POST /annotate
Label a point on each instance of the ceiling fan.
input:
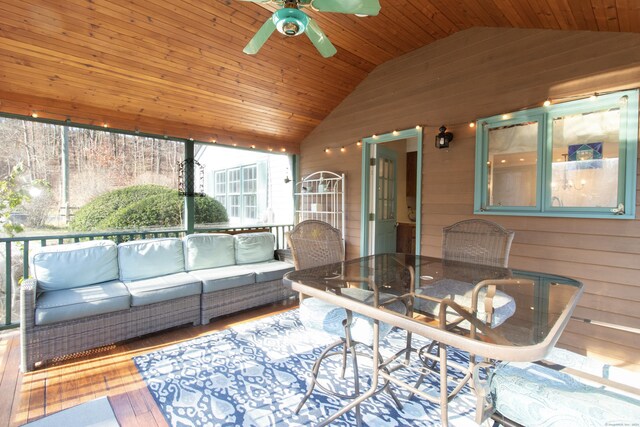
(291, 21)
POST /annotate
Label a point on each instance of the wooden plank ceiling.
(176, 67)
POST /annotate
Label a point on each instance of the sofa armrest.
(27, 319)
(28, 300)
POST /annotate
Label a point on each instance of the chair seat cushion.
(69, 304)
(217, 279)
(533, 395)
(163, 288)
(327, 317)
(272, 270)
(461, 292)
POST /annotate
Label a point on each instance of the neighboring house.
(254, 187)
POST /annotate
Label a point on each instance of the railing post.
(7, 283)
(189, 183)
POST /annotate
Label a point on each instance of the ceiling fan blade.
(319, 39)
(260, 38)
(359, 7)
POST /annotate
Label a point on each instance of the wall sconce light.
(443, 138)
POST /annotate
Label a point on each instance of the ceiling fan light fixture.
(290, 22)
(290, 28)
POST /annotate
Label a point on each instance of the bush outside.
(143, 206)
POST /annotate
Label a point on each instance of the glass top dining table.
(495, 313)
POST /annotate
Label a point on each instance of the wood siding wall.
(478, 73)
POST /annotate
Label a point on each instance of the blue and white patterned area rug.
(255, 374)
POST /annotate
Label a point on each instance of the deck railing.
(16, 252)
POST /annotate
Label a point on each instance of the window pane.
(234, 181)
(234, 206)
(249, 179)
(250, 206)
(221, 183)
(584, 169)
(511, 165)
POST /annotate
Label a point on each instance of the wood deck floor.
(109, 372)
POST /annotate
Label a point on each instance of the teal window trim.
(627, 101)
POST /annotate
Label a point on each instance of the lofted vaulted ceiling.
(176, 67)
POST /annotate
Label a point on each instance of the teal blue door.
(385, 197)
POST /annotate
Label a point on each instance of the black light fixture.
(443, 138)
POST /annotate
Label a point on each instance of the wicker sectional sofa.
(91, 294)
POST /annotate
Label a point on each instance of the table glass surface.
(531, 309)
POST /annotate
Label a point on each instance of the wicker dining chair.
(477, 241)
(315, 243)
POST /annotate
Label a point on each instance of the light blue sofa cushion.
(254, 247)
(75, 303)
(208, 250)
(533, 395)
(217, 279)
(327, 317)
(142, 259)
(461, 292)
(163, 288)
(270, 270)
(74, 265)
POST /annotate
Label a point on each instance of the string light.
(558, 99)
(326, 149)
(342, 149)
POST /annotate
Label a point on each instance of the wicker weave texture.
(314, 243)
(477, 241)
(40, 343)
(227, 301)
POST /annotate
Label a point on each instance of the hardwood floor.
(108, 372)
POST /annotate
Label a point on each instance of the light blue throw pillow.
(209, 250)
(74, 265)
(254, 247)
(142, 259)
